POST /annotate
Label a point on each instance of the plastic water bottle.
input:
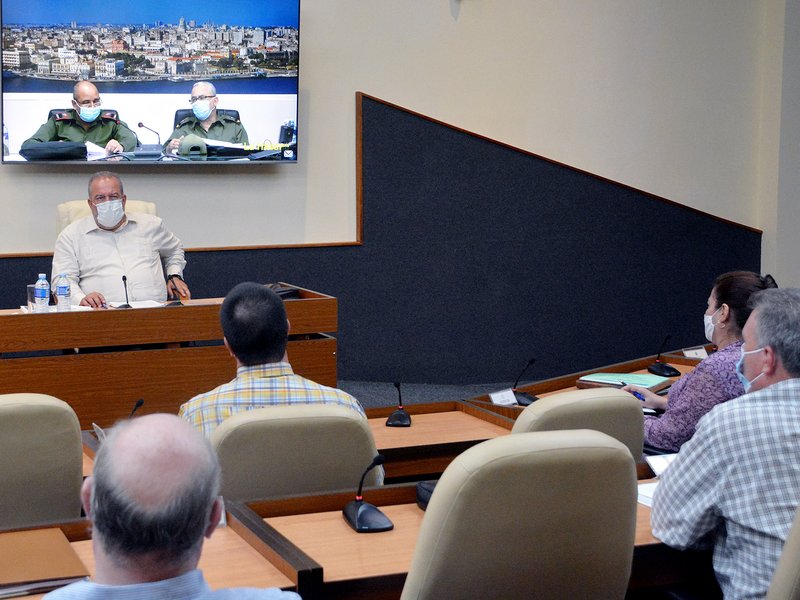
(41, 294)
(5, 140)
(63, 289)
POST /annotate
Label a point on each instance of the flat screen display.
(145, 58)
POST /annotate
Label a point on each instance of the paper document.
(646, 492)
(660, 462)
(221, 144)
(139, 304)
(504, 397)
(94, 152)
(640, 379)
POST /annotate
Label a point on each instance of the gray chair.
(42, 466)
(610, 410)
(282, 450)
(536, 515)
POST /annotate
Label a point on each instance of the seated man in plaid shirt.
(256, 332)
(735, 485)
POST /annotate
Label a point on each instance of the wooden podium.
(103, 385)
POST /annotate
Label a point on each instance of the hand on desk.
(174, 145)
(94, 299)
(113, 147)
(177, 286)
(650, 399)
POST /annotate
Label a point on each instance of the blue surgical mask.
(746, 383)
(89, 113)
(202, 109)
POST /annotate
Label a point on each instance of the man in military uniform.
(85, 122)
(205, 122)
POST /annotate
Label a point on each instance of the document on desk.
(659, 463)
(646, 492)
(139, 304)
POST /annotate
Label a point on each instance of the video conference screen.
(149, 63)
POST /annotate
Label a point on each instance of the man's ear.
(86, 496)
(771, 361)
(228, 346)
(216, 513)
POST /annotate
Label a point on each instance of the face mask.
(708, 321)
(746, 383)
(202, 109)
(110, 213)
(89, 114)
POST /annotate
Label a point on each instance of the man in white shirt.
(96, 252)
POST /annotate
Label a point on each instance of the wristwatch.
(175, 276)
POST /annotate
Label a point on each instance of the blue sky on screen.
(89, 12)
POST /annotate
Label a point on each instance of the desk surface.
(227, 561)
(434, 428)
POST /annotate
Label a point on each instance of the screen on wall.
(114, 81)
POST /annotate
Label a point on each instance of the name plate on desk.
(504, 397)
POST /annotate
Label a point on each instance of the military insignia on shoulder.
(110, 114)
(62, 115)
(185, 121)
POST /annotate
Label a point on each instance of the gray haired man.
(735, 485)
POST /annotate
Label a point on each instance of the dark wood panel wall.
(477, 256)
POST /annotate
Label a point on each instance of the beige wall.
(677, 97)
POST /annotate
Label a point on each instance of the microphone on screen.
(362, 516)
(143, 126)
(663, 369)
(524, 398)
(399, 418)
(137, 406)
(125, 284)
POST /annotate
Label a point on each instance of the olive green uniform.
(64, 126)
(224, 129)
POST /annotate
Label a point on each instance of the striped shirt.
(736, 485)
(258, 386)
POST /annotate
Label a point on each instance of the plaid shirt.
(736, 485)
(258, 386)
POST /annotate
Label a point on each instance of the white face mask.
(708, 321)
(110, 213)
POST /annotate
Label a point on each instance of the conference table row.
(303, 543)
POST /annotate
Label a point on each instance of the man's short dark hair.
(254, 323)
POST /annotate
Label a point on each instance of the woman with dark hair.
(714, 380)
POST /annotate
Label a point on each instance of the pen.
(636, 394)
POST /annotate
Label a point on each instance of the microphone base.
(366, 518)
(126, 305)
(148, 150)
(524, 398)
(663, 370)
(399, 418)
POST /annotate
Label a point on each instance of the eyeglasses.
(99, 199)
(88, 103)
(194, 99)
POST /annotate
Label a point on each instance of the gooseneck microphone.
(524, 398)
(137, 406)
(125, 284)
(362, 516)
(399, 418)
(663, 369)
(158, 135)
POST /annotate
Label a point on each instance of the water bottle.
(5, 140)
(41, 294)
(63, 289)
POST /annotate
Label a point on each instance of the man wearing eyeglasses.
(85, 122)
(205, 122)
(97, 251)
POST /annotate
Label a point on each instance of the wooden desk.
(375, 566)
(234, 556)
(103, 386)
(439, 432)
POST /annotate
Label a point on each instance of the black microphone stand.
(362, 516)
